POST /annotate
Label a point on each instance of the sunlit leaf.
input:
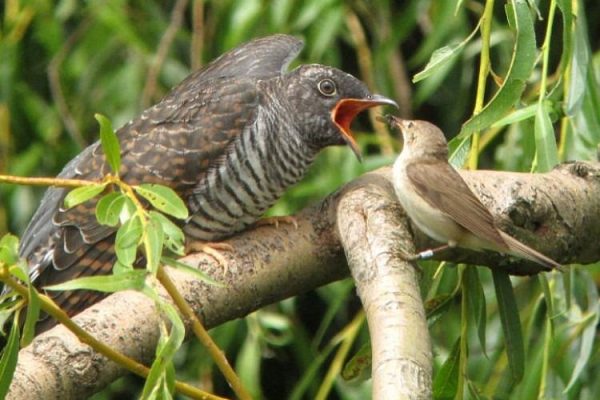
(109, 207)
(521, 66)
(130, 280)
(153, 244)
(163, 199)
(9, 249)
(110, 143)
(443, 56)
(82, 194)
(174, 238)
(166, 350)
(127, 240)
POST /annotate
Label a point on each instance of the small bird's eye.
(327, 87)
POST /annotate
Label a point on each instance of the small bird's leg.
(285, 219)
(431, 252)
(213, 249)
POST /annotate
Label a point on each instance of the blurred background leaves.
(63, 61)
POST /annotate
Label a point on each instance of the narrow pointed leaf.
(521, 66)
(110, 143)
(445, 383)
(82, 194)
(545, 142)
(511, 324)
(163, 199)
(130, 280)
(8, 362)
(166, 350)
(174, 237)
(442, 56)
(589, 332)
(171, 262)
(153, 244)
(477, 303)
(32, 316)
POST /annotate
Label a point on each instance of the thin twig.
(163, 49)
(22, 180)
(216, 354)
(197, 45)
(130, 364)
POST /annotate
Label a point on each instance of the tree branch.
(558, 213)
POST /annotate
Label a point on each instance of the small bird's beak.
(346, 110)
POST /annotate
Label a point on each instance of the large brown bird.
(229, 140)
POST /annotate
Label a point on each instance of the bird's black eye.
(327, 87)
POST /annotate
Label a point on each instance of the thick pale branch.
(375, 234)
(558, 213)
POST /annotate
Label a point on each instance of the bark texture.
(558, 213)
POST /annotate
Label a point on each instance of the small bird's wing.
(443, 188)
(172, 143)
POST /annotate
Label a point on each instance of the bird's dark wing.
(261, 58)
(443, 188)
(172, 143)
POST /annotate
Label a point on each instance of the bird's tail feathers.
(522, 250)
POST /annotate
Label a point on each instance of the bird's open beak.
(346, 110)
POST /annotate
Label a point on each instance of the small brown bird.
(439, 201)
(229, 139)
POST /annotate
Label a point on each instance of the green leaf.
(518, 115)
(445, 383)
(163, 199)
(9, 249)
(127, 240)
(545, 142)
(82, 194)
(589, 332)
(171, 262)
(443, 56)
(130, 280)
(165, 351)
(8, 362)
(109, 207)
(153, 244)
(521, 66)
(174, 237)
(511, 324)
(32, 316)
(110, 143)
(476, 302)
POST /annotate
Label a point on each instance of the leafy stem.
(56, 312)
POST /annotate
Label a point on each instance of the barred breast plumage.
(229, 140)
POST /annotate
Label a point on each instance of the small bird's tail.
(524, 251)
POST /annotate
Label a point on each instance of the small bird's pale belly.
(428, 219)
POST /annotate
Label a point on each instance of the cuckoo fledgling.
(229, 140)
(440, 203)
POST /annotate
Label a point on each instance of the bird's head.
(421, 138)
(325, 101)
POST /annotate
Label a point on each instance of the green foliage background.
(63, 61)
